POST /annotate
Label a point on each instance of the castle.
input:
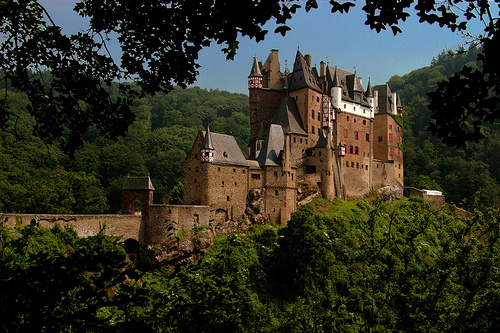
(320, 128)
(306, 125)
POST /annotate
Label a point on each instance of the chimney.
(322, 69)
(308, 60)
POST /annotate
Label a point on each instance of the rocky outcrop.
(254, 211)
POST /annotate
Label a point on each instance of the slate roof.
(138, 183)
(288, 117)
(271, 152)
(369, 90)
(255, 68)
(303, 76)
(273, 145)
(227, 151)
(321, 143)
(347, 81)
(385, 98)
(207, 141)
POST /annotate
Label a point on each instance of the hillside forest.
(38, 178)
(343, 266)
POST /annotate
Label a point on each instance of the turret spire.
(207, 148)
(369, 92)
(255, 77)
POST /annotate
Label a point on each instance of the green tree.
(160, 44)
(52, 281)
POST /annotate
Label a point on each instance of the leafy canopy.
(161, 40)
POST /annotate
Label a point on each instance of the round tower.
(336, 91)
(369, 95)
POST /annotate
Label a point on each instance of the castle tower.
(255, 77)
(137, 188)
(357, 89)
(207, 149)
(369, 94)
(336, 91)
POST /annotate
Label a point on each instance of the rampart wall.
(128, 226)
(150, 228)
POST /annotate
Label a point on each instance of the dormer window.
(224, 154)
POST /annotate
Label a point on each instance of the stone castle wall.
(128, 226)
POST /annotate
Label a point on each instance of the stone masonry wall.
(128, 226)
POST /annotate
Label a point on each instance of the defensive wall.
(151, 227)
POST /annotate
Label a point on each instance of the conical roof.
(335, 81)
(255, 68)
(207, 141)
(369, 92)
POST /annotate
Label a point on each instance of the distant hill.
(460, 173)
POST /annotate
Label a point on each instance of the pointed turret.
(335, 81)
(369, 95)
(255, 77)
(369, 91)
(336, 91)
(399, 106)
(207, 148)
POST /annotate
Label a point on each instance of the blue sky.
(343, 38)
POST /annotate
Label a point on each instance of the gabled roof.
(385, 102)
(226, 150)
(272, 149)
(138, 183)
(354, 84)
(288, 117)
(303, 76)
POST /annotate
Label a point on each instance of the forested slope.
(43, 179)
(346, 266)
(460, 173)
